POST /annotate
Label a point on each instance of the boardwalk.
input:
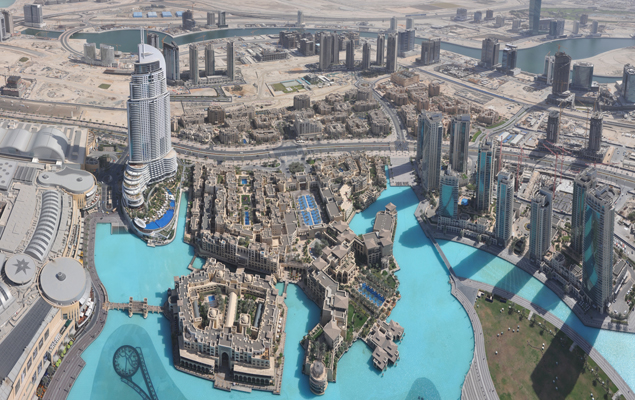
(478, 382)
(134, 307)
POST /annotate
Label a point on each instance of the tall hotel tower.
(151, 157)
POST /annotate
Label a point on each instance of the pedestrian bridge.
(134, 307)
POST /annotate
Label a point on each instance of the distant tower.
(485, 174)
(553, 127)
(429, 140)
(107, 55)
(393, 24)
(350, 55)
(335, 56)
(548, 71)
(194, 64)
(153, 40)
(300, 18)
(582, 76)
(449, 194)
(381, 42)
(534, 16)
(222, 23)
(561, 73)
(505, 207)
(510, 57)
(540, 226)
(210, 65)
(594, 27)
(171, 55)
(211, 19)
(459, 142)
(595, 132)
(230, 61)
(597, 259)
(187, 20)
(391, 54)
(576, 28)
(90, 52)
(326, 51)
(489, 52)
(628, 83)
(410, 23)
(584, 19)
(33, 16)
(430, 51)
(583, 183)
(366, 56)
(8, 22)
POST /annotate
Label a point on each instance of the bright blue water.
(616, 347)
(211, 299)
(165, 218)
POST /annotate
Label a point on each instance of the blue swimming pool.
(165, 219)
(244, 181)
(372, 295)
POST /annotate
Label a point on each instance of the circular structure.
(20, 269)
(64, 281)
(318, 379)
(126, 361)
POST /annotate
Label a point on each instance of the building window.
(46, 334)
(29, 363)
(41, 343)
(39, 368)
(24, 374)
(17, 387)
(33, 378)
(34, 353)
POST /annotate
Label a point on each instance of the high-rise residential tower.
(489, 52)
(151, 157)
(583, 183)
(459, 142)
(449, 194)
(561, 73)
(429, 139)
(595, 132)
(430, 51)
(391, 52)
(628, 83)
(553, 127)
(350, 55)
(504, 207)
(381, 43)
(171, 54)
(326, 51)
(485, 174)
(210, 63)
(231, 69)
(366, 56)
(540, 225)
(597, 259)
(194, 73)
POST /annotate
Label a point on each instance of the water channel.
(435, 354)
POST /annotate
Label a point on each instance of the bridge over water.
(134, 307)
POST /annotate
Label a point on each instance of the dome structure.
(20, 269)
(63, 282)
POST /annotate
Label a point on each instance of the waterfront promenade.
(72, 364)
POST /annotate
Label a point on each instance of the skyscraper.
(222, 23)
(489, 52)
(153, 40)
(151, 157)
(335, 56)
(595, 132)
(628, 83)
(350, 55)
(211, 18)
(540, 226)
(194, 74)
(553, 127)
(582, 76)
(510, 56)
(583, 183)
(300, 18)
(561, 73)
(393, 24)
(485, 174)
(410, 23)
(8, 22)
(107, 55)
(210, 63)
(449, 196)
(366, 56)
(459, 142)
(33, 16)
(171, 54)
(534, 16)
(576, 27)
(594, 27)
(430, 51)
(504, 207)
(548, 71)
(187, 20)
(326, 50)
(381, 42)
(391, 54)
(429, 140)
(406, 42)
(597, 260)
(231, 73)
(556, 28)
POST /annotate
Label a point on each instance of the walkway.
(478, 382)
(70, 368)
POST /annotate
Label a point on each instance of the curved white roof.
(6, 298)
(47, 143)
(47, 225)
(64, 281)
(149, 54)
(72, 180)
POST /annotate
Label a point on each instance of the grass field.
(279, 87)
(24, 59)
(496, 125)
(104, 86)
(476, 135)
(522, 370)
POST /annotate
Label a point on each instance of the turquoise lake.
(435, 354)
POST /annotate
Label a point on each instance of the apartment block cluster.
(252, 220)
(6, 25)
(189, 23)
(228, 320)
(592, 206)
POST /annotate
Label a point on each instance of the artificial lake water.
(435, 354)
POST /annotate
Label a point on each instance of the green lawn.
(104, 86)
(355, 319)
(496, 125)
(522, 370)
(24, 59)
(279, 87)
(476, 135)
(245, 199)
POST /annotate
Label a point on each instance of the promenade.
(72, 364)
